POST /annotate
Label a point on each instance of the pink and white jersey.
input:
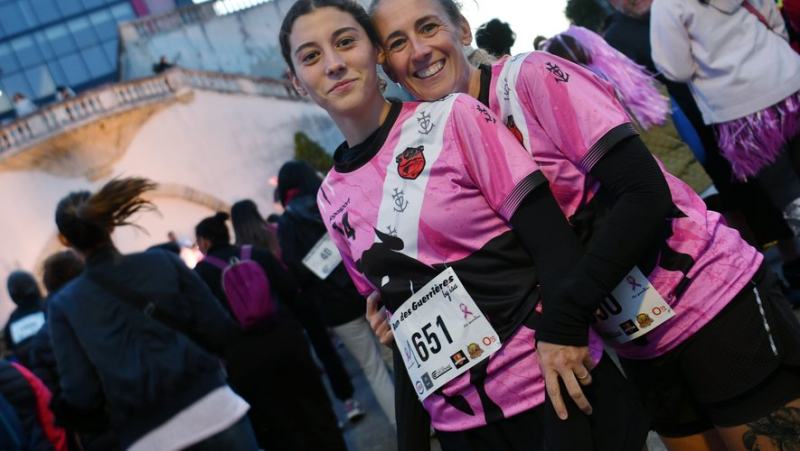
(435, 189)
(568, 118)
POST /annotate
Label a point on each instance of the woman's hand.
(574, 365)
(377, 320)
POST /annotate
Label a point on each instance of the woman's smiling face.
(423, 48)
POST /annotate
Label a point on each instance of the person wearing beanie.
(26, 320)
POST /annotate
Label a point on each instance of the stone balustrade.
(151, 25)
(109, 100)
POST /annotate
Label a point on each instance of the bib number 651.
(431, 338)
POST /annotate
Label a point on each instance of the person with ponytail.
(270, 365)
(151, 372)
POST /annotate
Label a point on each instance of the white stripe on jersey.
(404, 219)
(508, 99)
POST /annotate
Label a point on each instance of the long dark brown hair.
(249, 227)
(86, 220)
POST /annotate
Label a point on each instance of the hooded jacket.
(112, 357)
(26, 320)
(734, 64)
(299, 230)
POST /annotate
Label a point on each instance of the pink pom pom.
(636, 87)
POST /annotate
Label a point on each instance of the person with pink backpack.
(270, 366)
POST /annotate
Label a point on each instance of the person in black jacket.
(134, 336)
(342, 306)
(271, 365)
(250, 228)
(27, 318)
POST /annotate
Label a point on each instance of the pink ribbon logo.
(465, 311)
(634, 283)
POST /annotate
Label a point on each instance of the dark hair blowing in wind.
(86, 220)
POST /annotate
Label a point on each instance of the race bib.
(323, 258)
(441, 333)
(26, 327)
(632, 310)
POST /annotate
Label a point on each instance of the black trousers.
(290, 409)
(309, 316)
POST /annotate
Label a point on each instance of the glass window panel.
(104, 24)
(27, 11)
(89, 4)
(112, 51)
(5, 100)
(41, 82)
(60, 39)
(8, 61)
(12, 19)
(27, 51)
(46, 10)
(17, 83)
(57, 73)
(83, 32)
(70, 7)
(123, 12)
(75, 69)
(97, 61)
(44, 45)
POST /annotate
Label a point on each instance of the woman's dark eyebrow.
(417, 23)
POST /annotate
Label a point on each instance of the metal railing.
(113, 99)
(152, 25)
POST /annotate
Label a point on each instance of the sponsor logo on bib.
(459, 359)
(474, 350)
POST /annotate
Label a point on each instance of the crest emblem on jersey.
(411, 162)
(513, 127)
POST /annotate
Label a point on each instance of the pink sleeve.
(495, 160)
(577, 109)
(362, 285)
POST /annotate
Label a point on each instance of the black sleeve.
(643, 200)
(545, 234)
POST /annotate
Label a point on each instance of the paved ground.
(374, 433)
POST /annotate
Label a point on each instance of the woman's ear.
(296, 83)
(466, 32)
(63, 240)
